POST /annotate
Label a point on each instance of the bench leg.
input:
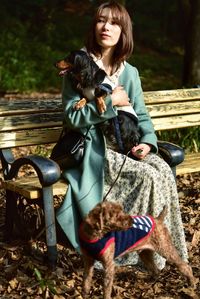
(50, 225)
(11, 208)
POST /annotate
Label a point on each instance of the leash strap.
(118, 134)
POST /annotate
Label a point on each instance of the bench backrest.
(171, 109)
(38, 120)
(30, 121)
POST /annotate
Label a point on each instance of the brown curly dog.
(108, 232)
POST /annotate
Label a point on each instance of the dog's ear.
(110, 211)
(115, 218)
(94, 218)
(89, 222)
(99, 76)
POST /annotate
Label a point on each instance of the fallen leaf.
(13, 283)
(190, 292)
(195, 238)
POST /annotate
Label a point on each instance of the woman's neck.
(107, 61)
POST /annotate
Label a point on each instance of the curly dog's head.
(107, 216)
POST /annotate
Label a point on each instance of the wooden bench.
(27, 121)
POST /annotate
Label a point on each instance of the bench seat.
(189, 165)
(30, 187)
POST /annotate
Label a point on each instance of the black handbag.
(69, 149)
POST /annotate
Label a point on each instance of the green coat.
(86, 182)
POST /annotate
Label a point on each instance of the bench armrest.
(47, 170)
(171, 153)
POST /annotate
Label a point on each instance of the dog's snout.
(63, 64)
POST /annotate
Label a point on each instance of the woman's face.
(107, 30)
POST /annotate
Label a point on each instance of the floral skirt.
(144, 187)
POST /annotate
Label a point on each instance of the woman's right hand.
(119, 97)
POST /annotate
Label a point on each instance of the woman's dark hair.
(124, 47)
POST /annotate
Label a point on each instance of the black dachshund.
(86, 77)
(122, 131)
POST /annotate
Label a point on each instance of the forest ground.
(23, 274)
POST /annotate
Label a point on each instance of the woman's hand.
(140, 151)
(119, 97)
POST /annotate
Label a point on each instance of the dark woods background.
(35, 33)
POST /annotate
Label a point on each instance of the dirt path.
(24, 275)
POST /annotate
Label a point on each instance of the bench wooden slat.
(30, 187)
(174, 122)
(22, 106)
(190, 164)
(165, 109)
(169, 96)
(32, 137)
(27, 122)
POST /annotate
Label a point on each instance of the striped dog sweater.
(124, 240)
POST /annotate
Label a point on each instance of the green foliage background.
(36, 33)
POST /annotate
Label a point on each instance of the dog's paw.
(101, 106)
(193, 281)
(80, 104)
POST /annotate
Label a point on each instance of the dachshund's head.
(105, 217)
(75, 61)
(81, 68)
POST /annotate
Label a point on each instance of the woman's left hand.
(140, 151)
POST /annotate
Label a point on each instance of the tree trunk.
(191, 72)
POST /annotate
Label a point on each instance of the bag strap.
(87, 132)
(80, 142)
(84, 136)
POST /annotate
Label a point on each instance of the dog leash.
(118, 134)
(121, 148)
(120, 170)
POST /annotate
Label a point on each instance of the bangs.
(117, 14)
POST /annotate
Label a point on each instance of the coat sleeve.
(132, 84)
(86, 116)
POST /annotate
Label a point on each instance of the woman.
(145, 184)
